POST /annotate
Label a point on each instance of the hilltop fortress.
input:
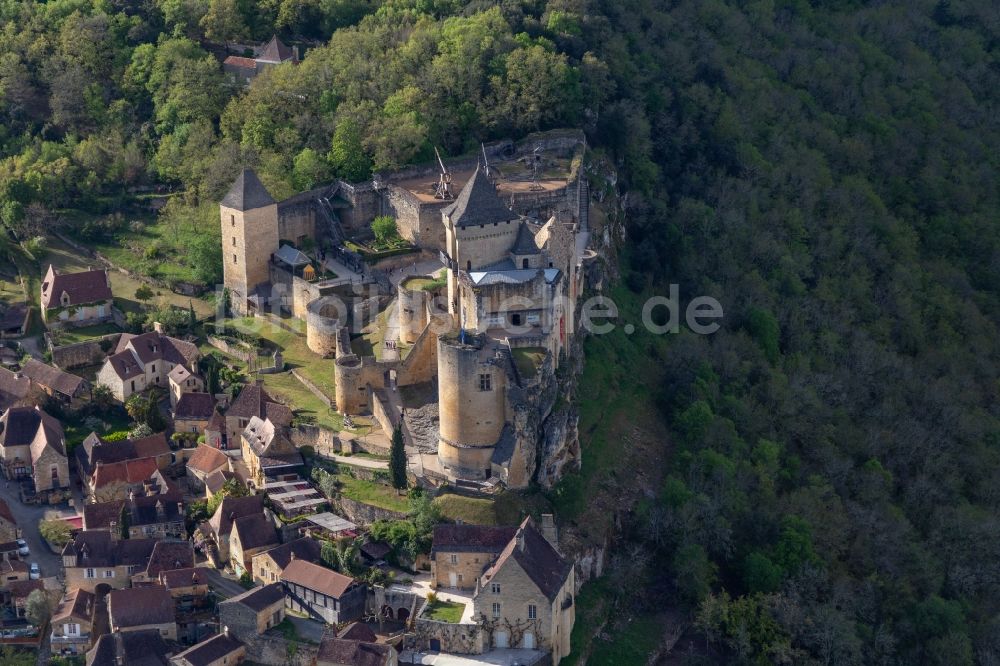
(477, 313)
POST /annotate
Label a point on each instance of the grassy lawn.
(69, 336)
(294, 350)
(425, 283)
(371, 342)
(473, 510)
(66, 259)
(372, 492)
(528, 359)
(112, 420)
(445, 611)
(290, 390)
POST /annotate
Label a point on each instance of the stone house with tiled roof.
(116, 480)
(145, 647)
(241, 70)
(15, 390)
(253, 612)
(205, 461)
(32, 445)
(93, 558)
(460, 553)
(73, 623)
(95, 450)
(267, 451)
(12, 570)
(322, 593)
(253, 401)
(268, 565)
(181, 380)
(218, 650)
(141, 608)
(214, 533)
(159, 516)
(65, 387)
(76, 299)
(9, 530)
(193, 411)
(250, 535)
(145, 361)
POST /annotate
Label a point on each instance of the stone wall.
(83, 353)
(362, 514)
(454, 638)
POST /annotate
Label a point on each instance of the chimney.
(291, 555)
(549, 530)
(158, 327)
(225, 631)
(520, 539)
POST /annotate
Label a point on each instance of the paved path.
(224, 587)
(497, 657)
(358, 461)
(307, 629)
(28, 516)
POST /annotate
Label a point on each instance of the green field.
(374, 493)
(473, 510)
(68, 336)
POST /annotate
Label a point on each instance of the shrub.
(56, 532)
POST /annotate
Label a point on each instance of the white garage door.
(529, 640)
(500, 639)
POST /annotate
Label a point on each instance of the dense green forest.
(827, 170)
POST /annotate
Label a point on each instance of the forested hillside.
(827, 170)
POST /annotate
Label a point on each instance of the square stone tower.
(249, 217)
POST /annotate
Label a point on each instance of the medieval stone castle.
(483, 306)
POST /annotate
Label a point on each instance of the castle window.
(532, 612)
(524, 262)
(234, 241)
(234, 258)
(495, 588)
(496, 611)
(232, 220)
(485, 382)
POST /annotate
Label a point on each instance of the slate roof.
(76, 604)
(52, 378)
(259, 598)
(539, 560)
(357, 653)
(207, 459)
(276, 51)
(186, 577)
(517, 276)
(209, 650)
(138, 606)
(247, 193)
(255, 531)
(198, 406)
(291, 256)
(478, 203)
(19, 426)
(168, 556)
(83, 288)
(356, 631)
(135, 648)
(525, 241)
(125, 365)
(304, 548)
(253, 400)
(471, 538)
(231, 508)
(153, 346)
(141, 511)
(316, 578)
(15, 384)
(14, 317)
(95, 548)
(375, 550)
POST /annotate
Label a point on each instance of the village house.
(214, 533)
(66, 388)
(267, 451)
(95, 450)
(250, 614)
(155, 516)
(182, 381)
(188, 587)
(118, 480)
(218, 650)
(76, 299)
(460, 553)
(202, 463)
(241, 70)
(193, 412)
(145, 647)
(15, 390)
(215, 431)
(32, 445)
(9, 531)
(94, 558)
(139, 608)
(145, 361)
(322, 593)
(17, 593)
(348, 652)
(253, 401)
(165, 556)
(525, 598)
(268, 565)
(250, 535)
(216, 481)
(14, 320)
(12, 570)
(73, 623)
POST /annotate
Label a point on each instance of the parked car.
(22, 547)
(35, 573)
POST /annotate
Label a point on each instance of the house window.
(461, 578)
(72, 629)
(532, 612)
(108, 573)
(454, 558)
(496, 610)
(154, 370)
(485, 382)
(133, 385)
(495, 588)
(89, 573)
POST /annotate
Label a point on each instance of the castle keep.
(480, 309)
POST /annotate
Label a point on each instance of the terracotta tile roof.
(238, 61)
(179, 374)
(198, 406)
(247, 192)
(127, 471)
(231, 508)
(15, 384)
(255, 531)
(253, 400)
(186, 577)
(305, 548)
(357, 653)
(217, 479)
(95, 450)
(316, 578)
(20, 589)
(76, 604)
(478, 203)
(207, 459)
(259, 598)
(52, 378)
(170, 555)
(210, 650)
(471, 538)
(6, 513)
(82, 288)
(135, 648)
(151, 446)
(536, 556)
(138, 606)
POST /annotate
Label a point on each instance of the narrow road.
(223, 587)
(28, 517)
(358, 461)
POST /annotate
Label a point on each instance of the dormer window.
(64, 298)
